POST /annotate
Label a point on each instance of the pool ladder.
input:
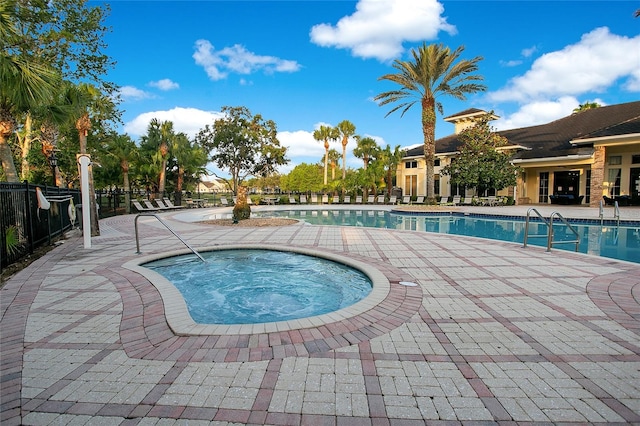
(616, 212)
(166, 225)
(549, 234)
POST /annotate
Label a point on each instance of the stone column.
(597, 175)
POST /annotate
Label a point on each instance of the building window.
(436, 162)
(615, 160)
(543, 190)
(635, 159)
(411, 185)
(614, 182)
(411, 165)
(436, 185)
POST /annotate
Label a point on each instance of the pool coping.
(181, 323)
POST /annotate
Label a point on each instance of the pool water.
(617, 242)
(256, 286)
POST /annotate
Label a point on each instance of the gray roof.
(554, 139)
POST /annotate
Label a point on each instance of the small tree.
(479, 163)
(244, 144)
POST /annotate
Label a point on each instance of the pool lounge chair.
(393, 199)
(169, 204)
(336, 199)
(347, 199)
(139, 207)
(150, 206)
(325, 199)
(303, 199)
(444, 201)
(358, 199)
(420, 200)
(161, 205)
(224, 202)
(292, 200)
(456, 200)
(371, 199)
(406, 199)
(380, 199)
(314, 199)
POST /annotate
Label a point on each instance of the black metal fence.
(24, 226)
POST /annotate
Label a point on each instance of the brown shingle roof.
(554, 139)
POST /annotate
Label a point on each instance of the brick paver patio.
(492, 333)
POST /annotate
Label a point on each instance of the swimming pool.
(250, 286)
(616, 242)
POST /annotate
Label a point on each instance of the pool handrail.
(550, 241)
(135, 224)
(526, 225)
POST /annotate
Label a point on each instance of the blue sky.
(307, 63)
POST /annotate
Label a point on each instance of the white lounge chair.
(358, 199)
(303, 199)
(456, 200)
(380, 199)
(406, 199)
(314, 199)
(292, 200)
(139, 207)
(224, 202)
(325, 199)
(336, 199)
(393, 199)
(169, 204)
(371, 199)
(420, 200)
(347, 199)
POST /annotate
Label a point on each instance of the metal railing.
(526, 226)
(616, 212)
(550, 240)
(550, 232)
(166, 225)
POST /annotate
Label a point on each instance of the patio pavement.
(493, 333)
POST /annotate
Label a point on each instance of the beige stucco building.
(584, 158)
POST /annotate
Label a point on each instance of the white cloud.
(512, 63)
(131, 93)
(164, 84)
(237, 59)
(378, 28)
(187, 120)
(529, 51)
(593, 64)
(539, 112)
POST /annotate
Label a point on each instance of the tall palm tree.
(435, 70)
(123, 149)
(391, 159)
(346, 129)
(366, 148)
(166, 140)
(191, 159)
(326, 134)
(334, 156)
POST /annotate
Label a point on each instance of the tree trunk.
(25, 147)
(344, 160)
(428, 130)
(127, 186)
(7, 126)
(326, 161)
(6, 158)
